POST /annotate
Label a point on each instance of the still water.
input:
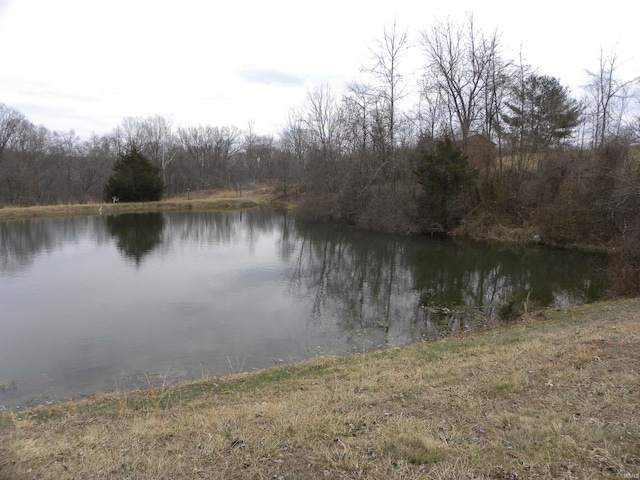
(105, 303)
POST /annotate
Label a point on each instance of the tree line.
(470, 141)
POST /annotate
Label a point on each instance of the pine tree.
(541, 114)
(135, 179)
(441, 173)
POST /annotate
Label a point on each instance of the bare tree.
(129, 133)
(459, 63)
(65, 148)
(608, 99)
(386, 58)
(294, 137)
(12, 125)
(358, 103)
(293, 147)
(322, 118)
(153, 136)
(16, 150)
(430, 117)
(93, 167)
(210, 150)
(495, 91)
(43, 166)
(323, 126)
(249, 147)
(159, 142)
(516, 102)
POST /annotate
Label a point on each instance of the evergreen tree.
(441, 173)
(541, 114)
(135, 179)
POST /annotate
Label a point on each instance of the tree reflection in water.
(366, 287)
(402, 289)
(137, 234)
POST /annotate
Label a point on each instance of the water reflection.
(137, 234)
(22, 241)
(201, 292)
(425, 287)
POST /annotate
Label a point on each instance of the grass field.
(556, 395)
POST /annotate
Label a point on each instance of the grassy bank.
(224, 200)
(555, 396)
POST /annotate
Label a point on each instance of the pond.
(114, 303)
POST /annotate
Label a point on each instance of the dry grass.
(219, 200)
(555, 396)
(529, 162)
(489, 228)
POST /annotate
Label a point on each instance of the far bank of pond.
(171, 205)
(272, 198)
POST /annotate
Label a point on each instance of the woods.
(540, 158)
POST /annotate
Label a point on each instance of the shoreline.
(554, 395)
(268, 197)
(48, 211)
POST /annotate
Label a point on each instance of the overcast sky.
(87, 64)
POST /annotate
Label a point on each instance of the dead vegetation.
(554, 396)
(209, 200)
